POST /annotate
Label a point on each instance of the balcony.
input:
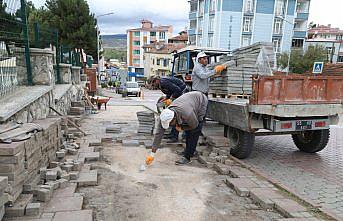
(300, 34)
(302, 16)
(193, 15)
(191, 32)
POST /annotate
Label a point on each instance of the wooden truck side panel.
(297, 89)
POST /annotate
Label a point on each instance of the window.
(162, 35)
(277, 26)
(136, 52)
(277, 45)
(230, 31)
(165, 62)
(340, 59)
(249, 6)
(136, 43)
(137, 34)
(211, 24)
(200, 24)
(192, 39)
(330, 52)
(201, 7)
(339, 37)
(280, 8)
(247, 24)
(298, 43)
(194, 6)
(210, 41)
(153, 34)
(158, 62)
(246, 41)
(212, 6)
(136, 61)
(199, 40)
(193, 24)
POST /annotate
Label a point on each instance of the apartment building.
(330, 38)
(231, 24)
(137, 37)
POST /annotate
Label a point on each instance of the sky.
(128, 13)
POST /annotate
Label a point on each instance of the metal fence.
(13, 36)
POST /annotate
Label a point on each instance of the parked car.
(133, 88)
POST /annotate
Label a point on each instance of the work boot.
(182, 161)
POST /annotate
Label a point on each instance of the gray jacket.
(201, 77)
(190, 109)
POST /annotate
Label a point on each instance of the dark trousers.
(174, 134)
(192, 137)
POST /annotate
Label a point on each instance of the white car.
(133, 88)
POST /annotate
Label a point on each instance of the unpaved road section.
(162, 192)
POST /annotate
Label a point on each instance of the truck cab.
(183, 61)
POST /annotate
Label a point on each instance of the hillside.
(114, 41)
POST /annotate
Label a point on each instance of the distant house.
(158, 58)
(329, 38)
(182, 38)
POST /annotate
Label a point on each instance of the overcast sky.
(128, 13)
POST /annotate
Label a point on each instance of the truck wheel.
(312, 141)
(241, 143)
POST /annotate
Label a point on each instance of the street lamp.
(98, 37)
(290, 50)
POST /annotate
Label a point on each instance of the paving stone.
(18, 208)
(83, 215)
(241, 185)
(63, 183)
(88, 157)
(74, 175)
(264, 196)
(238, 172)
(51, 175)
(130, 143)
(32, 209)
(202, 159)
(68, 191)
(286, 207)
(67, 167)
(88, 178)
(60, 154)
(222, 169)
(47, 215)
(55, 184)
(64, 204)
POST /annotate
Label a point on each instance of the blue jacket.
(172, 87)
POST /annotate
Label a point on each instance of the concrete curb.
(328, 213)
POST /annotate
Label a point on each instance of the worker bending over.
(172, 88)
(201, 75)
(186, 113)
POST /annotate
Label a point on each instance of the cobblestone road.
(319, 176)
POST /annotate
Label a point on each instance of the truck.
(301, 105)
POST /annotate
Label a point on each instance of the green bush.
(104, 85)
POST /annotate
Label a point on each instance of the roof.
(322, 29)
(163, 48)
(155, 28)
(204, 49)
(183, 37)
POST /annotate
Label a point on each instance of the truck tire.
(311, 141)
(241, 143)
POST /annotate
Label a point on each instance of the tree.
(302, 62)
(75, 24)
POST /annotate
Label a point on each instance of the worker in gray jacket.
(187, 113)
(201, 75)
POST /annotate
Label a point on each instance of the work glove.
(149, 159)
(219, 68)
(167, 102)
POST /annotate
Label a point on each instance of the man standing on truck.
(201, 74)
(186, 113)
(172, 88)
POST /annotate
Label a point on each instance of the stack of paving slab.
(258, 58)
(146, 121)
(77, 111)
(21, 161)
(3, 196)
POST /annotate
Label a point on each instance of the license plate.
(303, 125)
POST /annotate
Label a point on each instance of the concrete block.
(63, 183)
(18, 208)
(55, 184)
(65, 176)
(32, 209)
(77, 166)
(222, 169)
(264, 196)
(74, 175)
(67, 167)
(83, 215)
(130, 143)
(3, 183)
(51, 175)
(241, 185)
(54, 164)
(88, 178)
(60, 154)
(88, 157)
(64, 204)
(43, 195)
(72, 151)
(67, 191)
(239, 172)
